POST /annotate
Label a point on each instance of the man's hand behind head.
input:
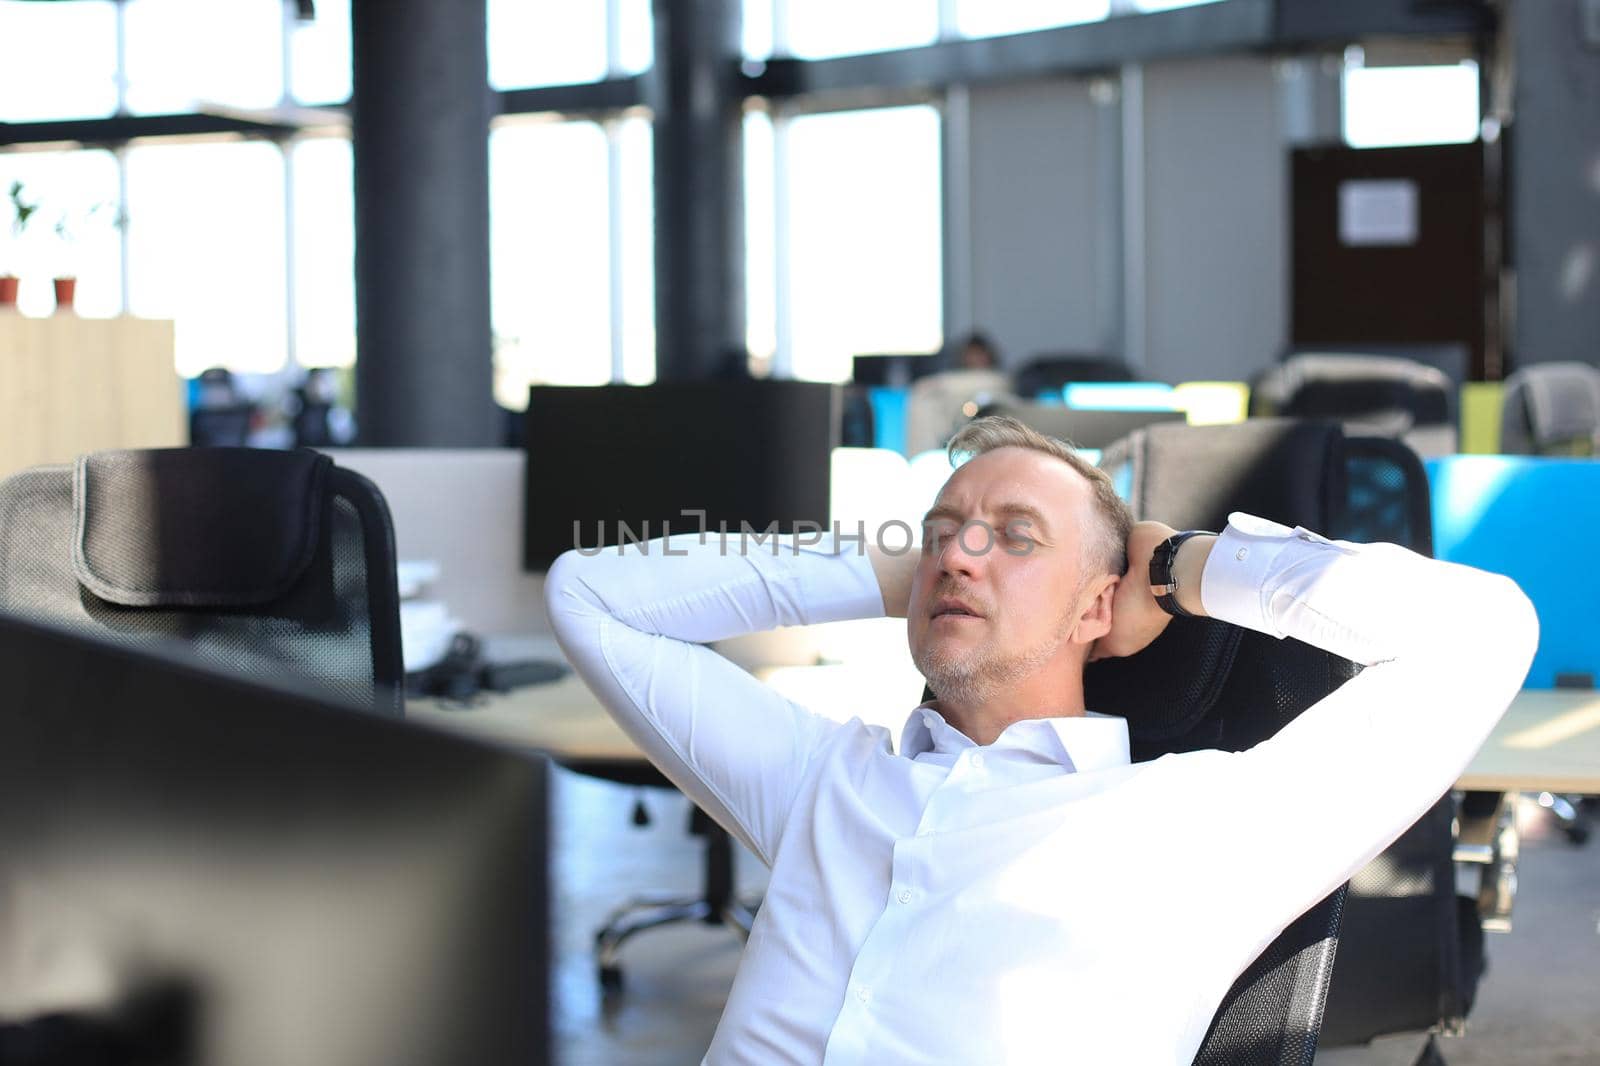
(1136, 617)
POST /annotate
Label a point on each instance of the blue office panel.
(1533, 519)
(889, 416)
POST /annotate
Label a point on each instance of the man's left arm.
(1446, 648)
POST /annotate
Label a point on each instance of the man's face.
(995, 591)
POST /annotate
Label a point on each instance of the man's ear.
(1094, 617)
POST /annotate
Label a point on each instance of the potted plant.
(22, 211)
(67, 229)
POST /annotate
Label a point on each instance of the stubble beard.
(972, 676)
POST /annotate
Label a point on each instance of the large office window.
(205, 229)
(319, 55)
(323, 268)
(187, 55)
(1385, 106)
(634, 245)
(571, 253)
(74, 232)
(558, 42)
(986, 18)
(1167, 5)
(816, 29)
(861, 228)
(760, 239)
(57, 60)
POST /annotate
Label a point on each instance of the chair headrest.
(1167, 689)
(196, 527)
(1563, 400)
(1193, 477)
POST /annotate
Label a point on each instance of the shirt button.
(904, 896)
(1243, 553)
(977, 760)
(863, 993)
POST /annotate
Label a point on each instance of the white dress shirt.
(1041, 898)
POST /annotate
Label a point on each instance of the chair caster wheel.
(611, 978)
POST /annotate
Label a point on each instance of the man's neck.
(983, 721)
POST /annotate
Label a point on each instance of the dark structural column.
(693, 91)
(420, 109)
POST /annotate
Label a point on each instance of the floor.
(1539, 1005)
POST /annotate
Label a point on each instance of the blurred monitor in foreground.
(199, 870)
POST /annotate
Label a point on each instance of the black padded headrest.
(197, 527)
(1169, 688)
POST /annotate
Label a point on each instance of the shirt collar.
(1090, 742)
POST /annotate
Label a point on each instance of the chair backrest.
(1402, 906)
(259, 560)
(1370, 395)
(1247, 685)
(937, 405)
(1551, 409)
(1051, 372)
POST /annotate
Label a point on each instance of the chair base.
(1569, 814)
(645, 914)
(717, 905)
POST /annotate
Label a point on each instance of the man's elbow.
(1518, 624)
(565, 591)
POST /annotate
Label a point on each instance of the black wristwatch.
(1161, 580)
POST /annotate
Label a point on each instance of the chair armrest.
(1487, 837)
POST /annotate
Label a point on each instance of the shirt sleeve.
(633, 623)
(1445, 649)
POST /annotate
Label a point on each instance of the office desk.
(1548, 741)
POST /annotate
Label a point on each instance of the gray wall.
(1034, 161)
(1555, 184)
(1217, 219)
(1048, 237)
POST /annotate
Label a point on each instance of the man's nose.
(963, 551)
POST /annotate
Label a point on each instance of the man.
(1007, 887)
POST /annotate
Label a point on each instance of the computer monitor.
(201, 869)
(892, 368)
(614, 463)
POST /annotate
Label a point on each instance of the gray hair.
(1108, 548)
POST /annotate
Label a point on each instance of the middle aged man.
(1007, 887)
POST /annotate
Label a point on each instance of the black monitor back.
(894, 368)
(199, 869)
(614, 462)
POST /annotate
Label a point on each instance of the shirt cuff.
(1251, 552)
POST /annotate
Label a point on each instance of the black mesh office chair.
(1410, 951)
(1370, 395)
(261, 560)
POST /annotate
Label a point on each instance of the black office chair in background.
(264, 561)
(1370, 395)
(1051, 372)
(1411, 951)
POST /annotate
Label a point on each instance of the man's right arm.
(634, 623)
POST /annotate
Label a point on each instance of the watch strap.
(1162, 583)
